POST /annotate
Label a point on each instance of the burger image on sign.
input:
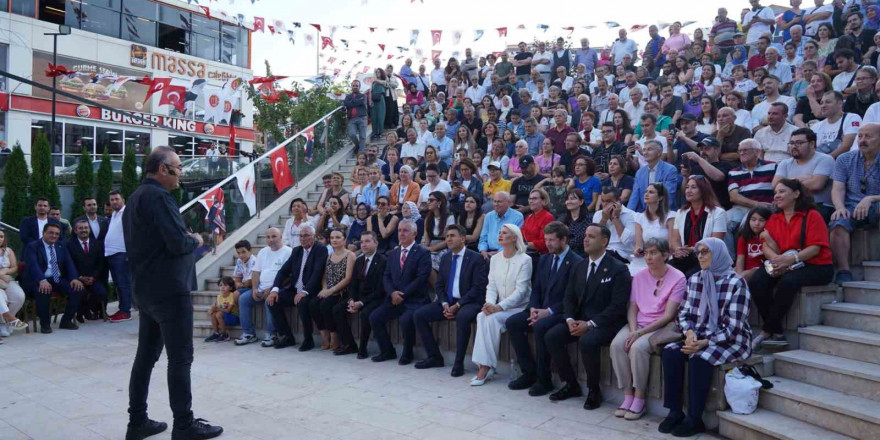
(71, 84)
(95, 91)
(209, 128)
(83, 111)
(118, 93)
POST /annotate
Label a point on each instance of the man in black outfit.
(367, 293)
(160, 252)
(87, 254)
(461, 293)
(98, 223)
(595, 309)
(544, 312)
(297, 284)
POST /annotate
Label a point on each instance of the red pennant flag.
(435, 36)
(367, 69)
(424, 59)
(174, 95)
(265, 79)
(372, 29)
(326, 41)
(390, 56)
(272, 29)
(231, 139)
(435, 54)
(317, 26)
(637, 27)
(157, 85)
(336, 72)
(207, 11)
(502, 31)
(570, 29)
(259, 24)
(331, 60)
(58, 70)
(281, 170)
(382, 46)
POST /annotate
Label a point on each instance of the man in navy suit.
(544, 312)
(406, 282)
(88, 257)
(32, 227)
(49, 268)
(98, 223)
(296, 284)
(461, 292)
(595, 302)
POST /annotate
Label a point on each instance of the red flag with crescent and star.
(309, 147)
(174, 95)
(157, 85)
(281, 170)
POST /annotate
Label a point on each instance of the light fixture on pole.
(62, 30)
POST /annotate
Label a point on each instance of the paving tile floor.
(73, 385)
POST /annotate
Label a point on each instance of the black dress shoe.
(284, 342)
(147, 429)
(431, 362)
(567, 391)
(80, 319)
(382, 357)
(523, 382)
(671, 422)
(70, 325)
(405, 360)
(594, 400)
(540, 389)
(307, 345)
(199, 429)
(348, 349)
(363, 353)
(457, 369)
(45, 329)
(688, 429)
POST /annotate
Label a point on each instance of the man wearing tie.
(595, 301)
(461, 292)
(49, 269)
(296, 284)
(87, 254)
(367, 293)
(544, 312)
(406, 282)
(97, 223)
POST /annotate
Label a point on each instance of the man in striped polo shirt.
(749, 185)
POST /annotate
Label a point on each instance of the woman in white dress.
(510, 274)
(11, 294)
(655, 222)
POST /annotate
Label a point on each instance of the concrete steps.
(871, 270)
(765, 425)
(862, 292)
(844, 342)
(847, 376)
(853, 316)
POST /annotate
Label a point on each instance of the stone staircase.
(829, 387)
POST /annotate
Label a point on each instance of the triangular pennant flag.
(157, 85)
(478, 34)
(637, 27)
(544, 27)
(413, 37)
(259, 24)
(382, 46)
(435, 36)
(456, 37)
(435, 54)
(570, 29)
(372, 29)
(326, 41)
(207, 10)
(317, 26)
(291, 36)
(612, 24)
(502, 31)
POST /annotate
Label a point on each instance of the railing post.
(296, 165)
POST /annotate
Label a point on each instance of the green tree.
(104, 183)
(85, 183)
(43, 181)
(144, 164)
(129, 173)
(16, 205)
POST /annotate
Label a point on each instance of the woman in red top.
(787, 244)
(533, 225)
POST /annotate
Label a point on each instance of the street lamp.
(62, 30)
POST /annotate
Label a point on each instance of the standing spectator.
(816, 16)
(377, 98)
(587, 56)
(561, 56)
(623, 46)
(654, 56)
(721, 34)
(522, 63)
(542, 61)
(97, 223)
(265, 267)
(392, 113)
(438, 76)
(117, 259)
(812, 168)
(790, 18)
(775, 136)
(356, 110)
(32, 227)
(757, 22)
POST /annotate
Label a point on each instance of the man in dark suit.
(544, 312)
(49, 268)
(32, 227)
(461, 292)
(406, 282)
(160, 252)
(367, 293)
(97, 223)
(88, 257)
(297, 284)
(595, 302)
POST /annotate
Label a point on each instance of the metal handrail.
(265, 155)
(8, 226)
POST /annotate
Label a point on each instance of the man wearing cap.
(686, 139)
(708, 163)
(775, 136)
(495, 183)
(522, 186)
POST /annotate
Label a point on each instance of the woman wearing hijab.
(715, 322)
(410, 211)
(358, 227)
(510, 275)
(738, 57)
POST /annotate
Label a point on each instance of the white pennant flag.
(247, 187)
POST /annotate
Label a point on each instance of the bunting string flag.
(435, 36)
(247, 187)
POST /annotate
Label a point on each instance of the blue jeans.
(357, 132)
(121, 279)
(246, 303)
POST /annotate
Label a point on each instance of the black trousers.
(589, 344)
(321, 310)
(340, 315)
(91, 301)
(699, 379)
(168, 324)
(404, 313)
(517, 330)
(433, 312)
(774, 295)
(285, 299)
(42, 302)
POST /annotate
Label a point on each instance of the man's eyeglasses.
(797, 143)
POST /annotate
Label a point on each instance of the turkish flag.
(502, 31)
(259, 24)
(174, 95)
(231, 140)
(435, 36)
(326, 41)
(435, 54)
(281, 170)
(157, 85)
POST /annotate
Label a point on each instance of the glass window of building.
(76, 139)
(139, 30)
(141, 8)
(183, 145)
(174, 26)
(104, 21)
(231, 44)
(4, 63)
(205, 47)
(137, 140)
(24, 7)
(111, 139)
(54, 11)
(42, 127)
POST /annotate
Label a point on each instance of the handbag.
(377, 93)
(668, 334)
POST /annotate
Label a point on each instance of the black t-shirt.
(567, 160)
(754, 97)
(854, 105)
(523, 70)
(803, 108)
(442, 168)
(522, 186)
(719, 187)
(676, 105)
(476, 125)
(681, 147)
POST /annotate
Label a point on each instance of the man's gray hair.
(654, 144)
(159, 156)
(409, 224)
(751, 144)
(440, 124)
(729, 110)
(307, 227)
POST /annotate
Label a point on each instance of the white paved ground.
(73, 385)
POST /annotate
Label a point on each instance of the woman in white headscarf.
(715, 322)
(510, 275)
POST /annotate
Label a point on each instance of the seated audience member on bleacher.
(367, 293)
(810, 167)
(620, 221)
(699, 218)
(297, 283)
(856, 196)
(87, 254)
(461, 292)
(266, 265)
(500, 215)
(48, 269)
(715, 321)
(655, 170)
(748, 185)
(544, 311)
(795, 242)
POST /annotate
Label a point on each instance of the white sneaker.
(4, 330)
(246, 339)
(268, 341)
